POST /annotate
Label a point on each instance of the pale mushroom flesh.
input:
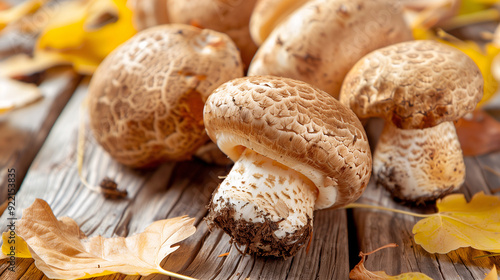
(296, 149)
(419, 165)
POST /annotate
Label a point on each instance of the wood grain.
(23, 131)
(170, 190)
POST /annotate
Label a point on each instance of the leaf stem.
(360, 205)
(173, 274)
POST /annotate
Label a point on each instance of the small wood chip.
(110, 189)
(223, 255)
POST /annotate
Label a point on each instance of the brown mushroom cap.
(414, 84)
(321, 40)
(268, 14)
(146, 99)
(230, 17)
(297, 125)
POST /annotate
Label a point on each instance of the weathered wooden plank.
(378, 228)
(23, 131)
(168, 191)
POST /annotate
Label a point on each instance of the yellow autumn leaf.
(14, 246)
(15, 13)
(15, 94)
(61, 250)
(460, 224)
(359, 272)
(85, 32)
(80, 33)
(493, 275)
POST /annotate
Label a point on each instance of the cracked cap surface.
(416, 84)
(297, 125)
(146, 98)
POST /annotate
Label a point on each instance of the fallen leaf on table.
(493, 275)
(80, 33)
(61, 250)
(24, 65)
(83, 33)
(13, 245)
(479, 135)
(460, 224)
(359, 272)
(15, 94)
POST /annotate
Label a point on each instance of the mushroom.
(419, 88)
(295, 148)
(146, 98)
(321, 40)
(148, 13)
(230, 17)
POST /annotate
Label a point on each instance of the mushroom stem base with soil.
(264, 206)
(419, 165)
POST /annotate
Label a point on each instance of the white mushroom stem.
(265, 205)
(419, 164)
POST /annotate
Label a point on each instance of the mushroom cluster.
(419, 88)
(146, 98)
(229, 17)
(295, 148)
(318, 41)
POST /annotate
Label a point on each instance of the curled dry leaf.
(359, 272)
(14, 246)
(15, 94)
(61, 250)
(85, 32)
(460, 224)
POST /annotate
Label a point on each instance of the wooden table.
(40, 142)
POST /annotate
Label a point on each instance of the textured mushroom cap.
(415, 84)
(321, 40)
(230, 17)
(297, 125)
(146, 98)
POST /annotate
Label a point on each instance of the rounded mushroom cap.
(146, 98)
(321, 40)
(268, 14)
(297, 125)
(414, 84)
(230, 17)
